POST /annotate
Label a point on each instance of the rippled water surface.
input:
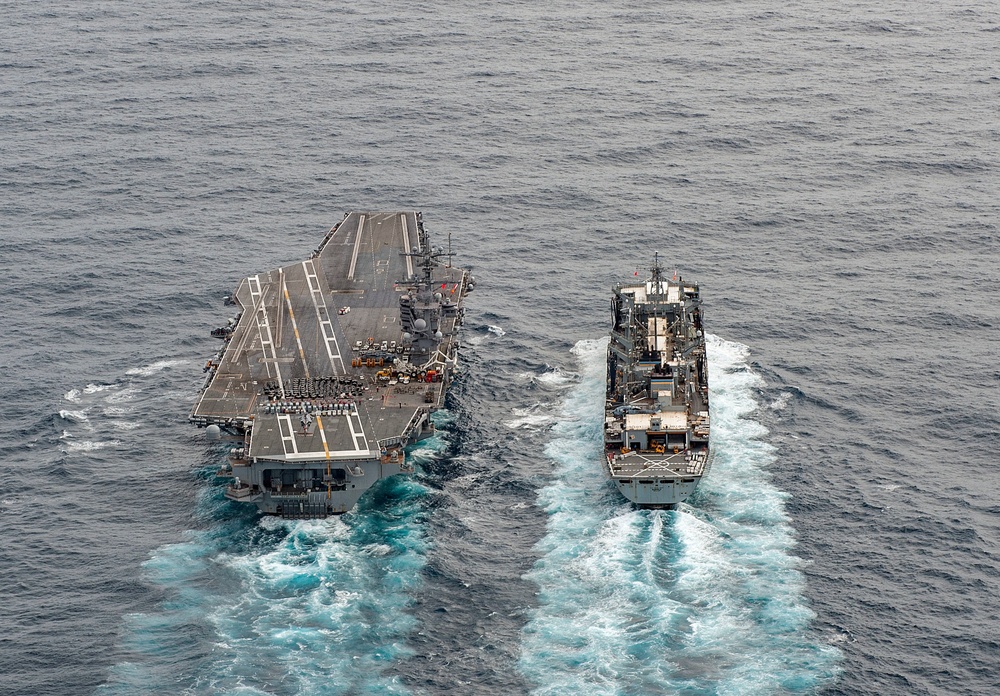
(827, 172)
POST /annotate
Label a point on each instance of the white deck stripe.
(234, 350)
(335, 455)
(254, 294)
(264, 330)
(354, 433)
(290, 438)
(323, 318)
(295, 328)
(357, 246)
(361, 432)
(406, 248)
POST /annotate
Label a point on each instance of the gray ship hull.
(654, 481)
(298, 503)
(334, 365)
(664, 494)
(656, 425)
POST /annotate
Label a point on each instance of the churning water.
(705, 599)
(827, 172)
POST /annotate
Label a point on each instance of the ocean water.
(828, 173)
(705, 599)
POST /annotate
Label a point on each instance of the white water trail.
(707, 599)
(153, 368)
(284, 607)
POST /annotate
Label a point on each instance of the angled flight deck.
(334, 365)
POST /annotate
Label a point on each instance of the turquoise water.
(305, 607)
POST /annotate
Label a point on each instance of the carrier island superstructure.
(656, 423)
(333, 366)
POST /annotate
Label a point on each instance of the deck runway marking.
(235, 349)
(285, 421)
(354, 433)
(407, 247)
(264, 330)
(323, 318)
(357, 247)
(280, 381)
(295, 327)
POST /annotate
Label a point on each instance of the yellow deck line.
(326, 448)
(295, 328)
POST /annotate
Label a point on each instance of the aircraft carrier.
(333, 366)
(656, 425)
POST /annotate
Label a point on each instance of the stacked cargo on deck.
(656, 426)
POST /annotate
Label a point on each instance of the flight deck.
(334, 364)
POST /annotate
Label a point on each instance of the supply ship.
(656, 423)
(334, 365)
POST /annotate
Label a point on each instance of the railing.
(414, 419)
(239, 492)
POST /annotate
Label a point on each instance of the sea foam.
(705, 599)
(153, 368)
(307, 607)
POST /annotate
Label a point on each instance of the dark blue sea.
(828, 172)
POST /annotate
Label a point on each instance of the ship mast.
(658, 289)
(638, 330)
